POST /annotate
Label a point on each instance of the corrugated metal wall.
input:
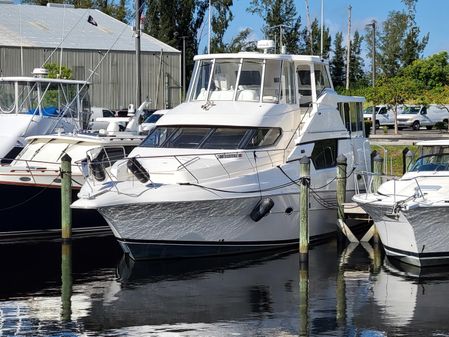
(113, 82)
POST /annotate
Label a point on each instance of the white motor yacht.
(219, 173)
(412, 213)
(37, 106)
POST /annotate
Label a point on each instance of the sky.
(431, 17)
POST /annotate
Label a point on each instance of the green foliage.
(357, 75)
(311, 41)
(57, 71)
(431, 72)
(368, 126)
(171, 21)
(219, 24)
(337, 64)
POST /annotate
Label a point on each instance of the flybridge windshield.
(202, 137)
(250, 80)
(43, 98)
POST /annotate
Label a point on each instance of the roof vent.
(50, 4)
(40, 72)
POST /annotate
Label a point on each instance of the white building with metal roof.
(101, 51)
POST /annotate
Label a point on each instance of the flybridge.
(257, 77)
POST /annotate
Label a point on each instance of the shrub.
(368, 126)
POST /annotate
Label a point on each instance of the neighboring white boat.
(412, 213)
(31, 183)
(37, 106)
(219, 173)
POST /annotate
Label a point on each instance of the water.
(101, 293)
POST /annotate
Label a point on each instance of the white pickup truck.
(384, 115)
(416, 116)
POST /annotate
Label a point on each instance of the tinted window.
(187, 137)
(263, 137)
(153, 118)
(324, 154)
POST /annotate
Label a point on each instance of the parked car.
(98, 112)
(384, 115)
(150, 122)
(416, 116)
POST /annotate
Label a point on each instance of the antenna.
(21, 44)
(348, 47)
(309, 26)
(209, 27)
(62, 48)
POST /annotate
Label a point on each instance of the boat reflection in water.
(105, 294)
(413, 298)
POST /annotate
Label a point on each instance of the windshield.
(433, 162)
(153, 118)
(204, 137)
(411, 110)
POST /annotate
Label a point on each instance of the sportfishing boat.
(219, 173)
(31, 183)
(37, 106)
(412, 213)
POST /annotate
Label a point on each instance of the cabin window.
(288, 83)
(224, 80)
(322, 80)
(224, 138)
(199, 92)
(272, 81)
(305, 85)
(248, 88)
(352, 115)
(324, 154)
(263, 137)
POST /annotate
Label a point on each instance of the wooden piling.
(304, 173)
(341, 187)
(408, 160)
(66, 197)
(378, 163)
(404, 161)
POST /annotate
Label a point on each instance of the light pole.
(184, 66)
(373, 24)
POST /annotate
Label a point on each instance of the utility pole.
(348, 48)
(184, 66)
(138, 72)
(373, 24)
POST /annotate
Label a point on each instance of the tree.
(171, 21)
(314, 47)
(57, 71)
(337, 64)
(357, 75)
(279, 16)
(220, 23)
(393, 90)
(431, 72)
(398, 42)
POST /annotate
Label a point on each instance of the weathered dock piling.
(343, 229)
(66, 197)
(303, 301)
(304, 173)
(408, 160)
(378, 163)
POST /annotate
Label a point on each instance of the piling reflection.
(66, 282)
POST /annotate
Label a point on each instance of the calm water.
(101, 293)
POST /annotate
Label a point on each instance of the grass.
(394, 156)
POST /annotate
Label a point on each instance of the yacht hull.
(211, 227)
(34, 211)
(416, 235)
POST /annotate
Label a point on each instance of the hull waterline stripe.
(418, 255)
